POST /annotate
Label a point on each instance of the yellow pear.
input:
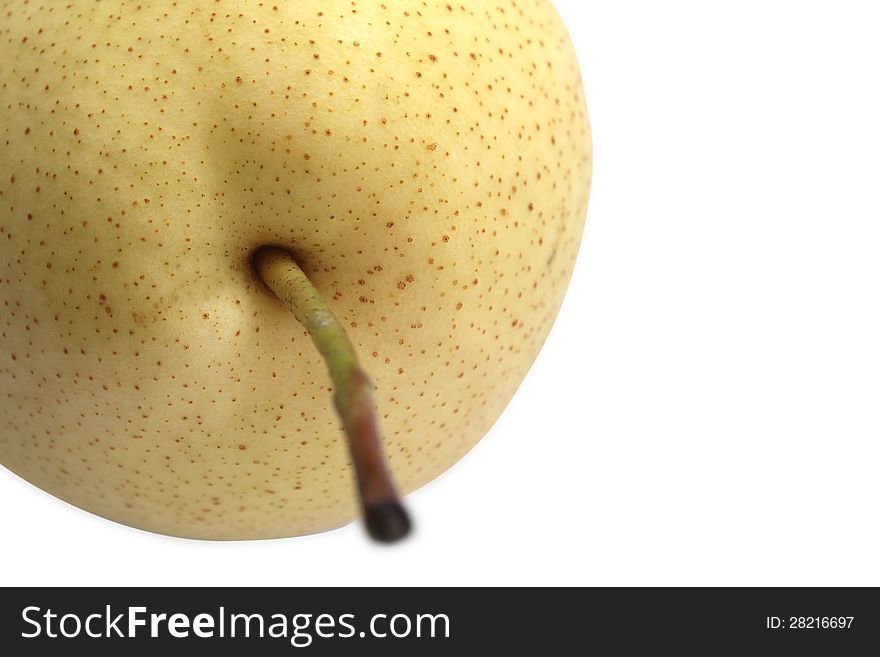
(427, 164)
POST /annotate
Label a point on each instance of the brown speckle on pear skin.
(430, 169)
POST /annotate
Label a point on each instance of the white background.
(706, 408)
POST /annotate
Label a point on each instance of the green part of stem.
(385, 517)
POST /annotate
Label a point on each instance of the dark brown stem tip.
(387, 522)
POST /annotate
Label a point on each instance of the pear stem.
(384, 515)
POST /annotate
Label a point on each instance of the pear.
(424, 166)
